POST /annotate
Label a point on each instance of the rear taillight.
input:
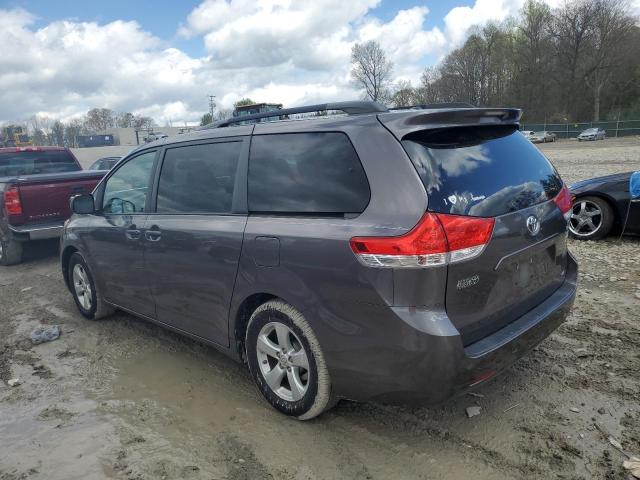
(12, 201)
(563, 201)
(437, 239)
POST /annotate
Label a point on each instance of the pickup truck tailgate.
(45, 198)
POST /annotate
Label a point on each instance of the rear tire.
(286, 361)
(595, 209)
(10, 252)
(84, 290)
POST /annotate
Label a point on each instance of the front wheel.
(591, 218)
(286, 361)
(10, 252)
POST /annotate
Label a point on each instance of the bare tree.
(140, 122)
(570, 29)
(429, 90)
(40, 122)
(611, 29)
(533, 57)
(39, 138)
(124, 119)
(99, 119)
(404, 94)
(371, 70)
(72, 129)
(57, 133)
(223, 114)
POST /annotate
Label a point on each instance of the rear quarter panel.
(316, 271)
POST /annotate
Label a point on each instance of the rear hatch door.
(493, 171)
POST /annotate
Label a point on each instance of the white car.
(528, 134)
(152, 137)
(543, 137)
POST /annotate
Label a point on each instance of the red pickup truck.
(35, 186)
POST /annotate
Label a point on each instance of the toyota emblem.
(533, 225)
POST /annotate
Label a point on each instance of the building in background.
(129, 136)
(257, 108)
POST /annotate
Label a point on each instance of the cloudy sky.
(60, 58)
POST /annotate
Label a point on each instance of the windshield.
(591, 130)
(481, 171)
(35, 162)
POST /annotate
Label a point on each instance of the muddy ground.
(121, 398)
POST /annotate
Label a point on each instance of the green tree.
(243, 102)
(206, 119)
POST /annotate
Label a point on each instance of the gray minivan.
(399, 256)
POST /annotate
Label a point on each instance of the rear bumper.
(37, 232)
(432, 364)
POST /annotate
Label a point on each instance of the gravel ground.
(121, 398)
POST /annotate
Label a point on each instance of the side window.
(312, 173)
(198, 178)
(127, 189)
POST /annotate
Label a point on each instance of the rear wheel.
(591, 218)
(10, 252)
(84, 290)
(286, 361)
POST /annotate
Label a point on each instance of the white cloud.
(287, 51)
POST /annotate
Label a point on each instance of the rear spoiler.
(403, 123)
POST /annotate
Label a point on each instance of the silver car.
(592, 134)
(543, 137)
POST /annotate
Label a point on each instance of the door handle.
(132, 233)
(153, 234)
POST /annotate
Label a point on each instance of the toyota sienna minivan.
(367, 254)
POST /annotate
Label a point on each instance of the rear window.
(306, 173)
(481, 171)
(35, 162)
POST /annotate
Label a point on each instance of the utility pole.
(212, 105)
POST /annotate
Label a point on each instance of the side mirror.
(82, 204)
(634, 185)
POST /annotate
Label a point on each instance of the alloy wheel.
(283, 361)
(586, 218)
(82, 287)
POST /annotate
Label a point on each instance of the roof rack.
(350, 108)
(434, 106)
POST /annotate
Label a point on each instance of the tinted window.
(481, 171)
(198, 178)
(126, 190)
(311, 173)
(34, 162)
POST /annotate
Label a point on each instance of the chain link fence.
(620, 128)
